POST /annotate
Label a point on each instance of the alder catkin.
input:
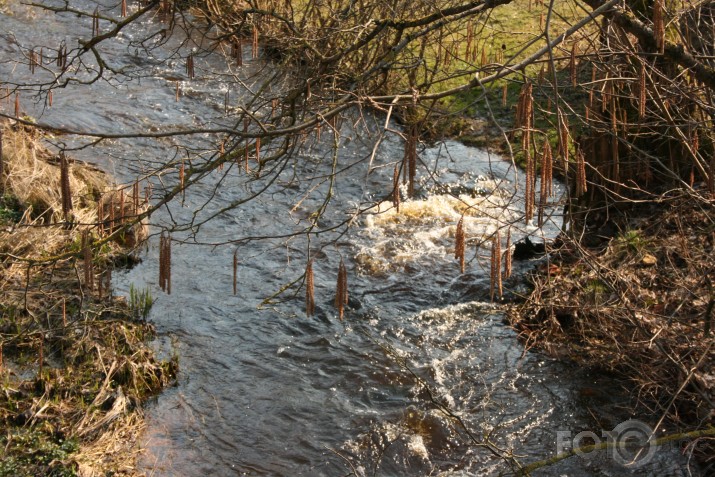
(495, 278)
(341, 293)
(309, 290)
(507, 255)
(659, 25)
(460, 241)
(165, 262)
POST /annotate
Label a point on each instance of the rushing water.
(421, 368)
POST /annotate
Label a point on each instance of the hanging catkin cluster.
(581, 185)
(459, 239)
(341, 293)
(309, 290)
(165, 262)
(495, 275)
(524, 120)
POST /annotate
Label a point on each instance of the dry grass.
(642, 305)
(75, 365)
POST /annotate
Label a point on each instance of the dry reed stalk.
(235, 272)
(246, 123)
(507, 255)
(460, 242)
(42, 356)
(178, 92)
(641, 92)
(572, 65)
(165, 262)
(100, 286)
(341, 294)
(495, 276)
(541, 21)
(17, 105)
(65, 186)
(318, 129)
(190, 72)
(2, 164)
(504, 92)
(111, 214)
(1, 345)
(49, 98)
(396, 188)
(274, 107)
(659, 25)
(412, 160)
(309, 289)
(64, 313)
(254, 44)
(614, 144)
(100, 216)
(258, 151)
(483, 61)
(122, 207)
(88, 265)
(124, 8)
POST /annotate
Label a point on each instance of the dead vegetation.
(640, 304)
(74, 365)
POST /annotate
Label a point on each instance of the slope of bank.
(74, 364)
(639, 303)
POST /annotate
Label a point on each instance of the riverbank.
(637, 301)
(75, 367)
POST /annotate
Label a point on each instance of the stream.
(422, 369)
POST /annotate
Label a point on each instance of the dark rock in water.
(526, 249)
